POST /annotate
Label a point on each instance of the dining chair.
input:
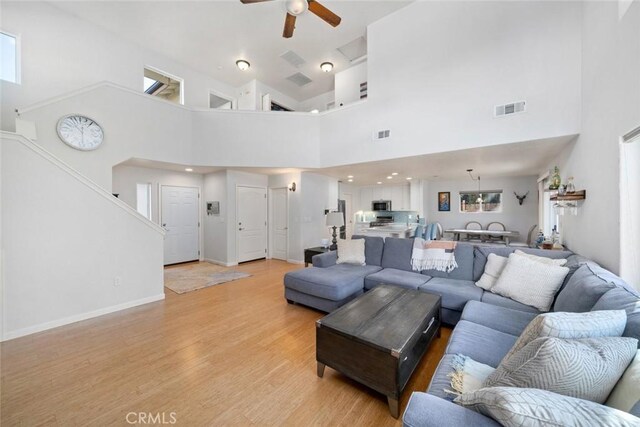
(495, 226)
(473, 225)
(529, 241)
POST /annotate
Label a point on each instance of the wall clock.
(80, 132)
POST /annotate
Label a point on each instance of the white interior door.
(252, 223)
(180, 220)
(348, 202)
(279, 233)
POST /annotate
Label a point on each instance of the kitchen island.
(391, 230)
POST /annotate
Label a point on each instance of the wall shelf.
(578, 195)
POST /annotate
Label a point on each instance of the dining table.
(507, 235)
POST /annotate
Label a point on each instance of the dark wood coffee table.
(378, 338)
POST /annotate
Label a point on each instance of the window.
(162, 85)
(490, 201)
(143, 200)
(9, 70)
(278, 107)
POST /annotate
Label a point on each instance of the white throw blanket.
(433, 255)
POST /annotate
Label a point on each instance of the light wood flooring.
(230, 354)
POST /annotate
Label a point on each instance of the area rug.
(183, 279)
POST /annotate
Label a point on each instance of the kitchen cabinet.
(398, 194)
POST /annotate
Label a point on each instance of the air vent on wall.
(508, 109)
(381, 134)
(299, 79)
(293, 58)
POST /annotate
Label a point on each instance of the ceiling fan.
(297, 7)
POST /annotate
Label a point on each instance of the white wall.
(319, 192)
(61, 53)
(215, 226)
(437, 69)
(610, 108)
(347, 84)
(319, 102)
(513, 216)
(65, 243)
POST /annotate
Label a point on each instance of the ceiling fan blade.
(323, 13)
(252, 1)
(289, 25)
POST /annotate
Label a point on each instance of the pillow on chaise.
(517, 407)
(492, 270)
(583, 368)
(351, 252)
(530, 282)
(626, 393)
(592, 324)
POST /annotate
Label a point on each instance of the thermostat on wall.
(213, 208)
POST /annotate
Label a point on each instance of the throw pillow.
(542, 259)
(519, 407)
(492, 270)
(592, 324)
(351, 252)
(626, 393)
(468, 375)
(584, 368)
(530, 282)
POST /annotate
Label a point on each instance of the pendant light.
(479, 199)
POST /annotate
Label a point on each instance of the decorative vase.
(570, 187)
(555, 181)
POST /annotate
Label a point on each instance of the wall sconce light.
(242, 64)
(292, 187)
(326, 67)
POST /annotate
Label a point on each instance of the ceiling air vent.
(354, 49)
(293, 58)
(381, 134)
(299, 79)
(512, 108)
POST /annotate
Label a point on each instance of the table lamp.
(335, 219)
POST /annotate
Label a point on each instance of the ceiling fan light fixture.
(296, 7)
(242, 64)
(326, 67)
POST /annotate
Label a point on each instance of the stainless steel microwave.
(381, 205)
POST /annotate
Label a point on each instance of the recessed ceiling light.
(349, 176)
(188, 169)
(242, 64)
(409, 178)
(394, 173)
(315, 111)
(350, 180)
(326, 67)
(379, 182)
(389, 177)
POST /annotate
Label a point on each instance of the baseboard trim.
(295, 261)
(79, 317)
(222, 263)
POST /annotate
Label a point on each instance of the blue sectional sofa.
(486, 325)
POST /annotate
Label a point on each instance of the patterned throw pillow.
(492, 270)
(530, 282)
(351, 252)
(517, 407)
(583, 368)
(592, 324)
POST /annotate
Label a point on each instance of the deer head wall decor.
(521, 198)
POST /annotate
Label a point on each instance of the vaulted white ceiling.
(209, 36)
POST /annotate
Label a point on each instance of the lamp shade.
(335, 219)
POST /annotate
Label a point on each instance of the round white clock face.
(80, 132)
